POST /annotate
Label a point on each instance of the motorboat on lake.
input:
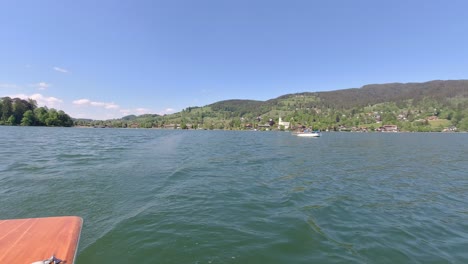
(308, 133)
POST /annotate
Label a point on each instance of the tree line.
(22, 112)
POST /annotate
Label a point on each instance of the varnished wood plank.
(33, 239)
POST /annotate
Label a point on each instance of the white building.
(282, 123)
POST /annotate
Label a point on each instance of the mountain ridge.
(398, 103)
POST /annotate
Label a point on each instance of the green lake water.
(172, 196)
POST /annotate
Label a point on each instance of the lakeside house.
(264, 125)
(283, 123)
(388, 128)
(450, 129)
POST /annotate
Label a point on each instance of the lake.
(173, 196)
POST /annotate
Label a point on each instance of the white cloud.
(97, 103)
(51, 102)
(112, 106)
(60, 69)
(81, 102)
(104, 110)
(86, 108)
(47, 100)
(41, 85)
(87, 102)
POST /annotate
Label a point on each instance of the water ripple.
(243, 197)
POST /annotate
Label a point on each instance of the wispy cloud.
(166, 111)
(8, 86)
(62, 70)
(143, 111)
(42, 85)
(81, 102)
(105, 105)
(136, 111)
(104, 110)
(87, 102)
(125, 112)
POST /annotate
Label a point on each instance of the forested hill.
(401, 94)
(360, 97)
(394, 92)
(429, 106)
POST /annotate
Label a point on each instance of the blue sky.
(107, 59)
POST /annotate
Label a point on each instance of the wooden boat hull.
(36, 239)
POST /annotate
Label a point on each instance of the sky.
(108, 59)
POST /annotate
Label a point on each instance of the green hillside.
(429, 106)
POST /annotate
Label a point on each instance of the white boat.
(308, 134)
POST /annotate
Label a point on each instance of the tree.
(19, 108)
(11, 120)
(52, 119)
(389, 118)
(183, 125)
(337, 119)
(463, 124)
(7, 108)
(457, 117)
(32, 104)
(28, 118)
(25, 112)
(41, 114)
(64, 119)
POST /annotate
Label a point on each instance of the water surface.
(172, 196)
